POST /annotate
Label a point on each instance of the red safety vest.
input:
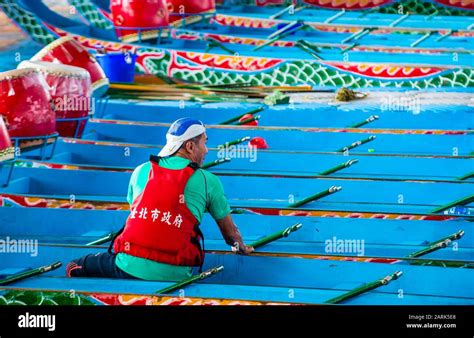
(160, 226)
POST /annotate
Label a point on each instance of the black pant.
(100, 265)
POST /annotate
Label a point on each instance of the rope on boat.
(366, 121)
(437, 245)
(333, 189)
(275, 236)
(338, 167)
(345, 94)
(365, 288)
(192, 279)
(462, 201)
(236, 118)
(214, 163)
(30, 273)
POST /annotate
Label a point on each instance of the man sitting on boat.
(168, 195)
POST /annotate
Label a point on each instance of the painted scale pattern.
(91, 14)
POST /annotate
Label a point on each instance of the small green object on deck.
(30, 273)
(439, 244)
(319, 195)
(365, 288)
(102, 240)
(192, 279)
(371, 150)
(275, 236)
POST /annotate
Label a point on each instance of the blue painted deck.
(372, 166)
(382, 238)
(271, 278)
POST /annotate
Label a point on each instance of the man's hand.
(242, 249)
(232, 236)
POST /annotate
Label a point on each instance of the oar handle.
(437, 245)
(366, 121)
(357, 143)
(338, 167)
(250, 119)
(215, 163)
(276, 236)
(365, 288)
(235, 142)
(462, 201)
(30, 273)
(192, 279)
(102, 240)
(236, 118)
(317, 196)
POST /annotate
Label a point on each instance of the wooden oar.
(30, 273)
(192, 279)
(462, 201)
(268, 239)
(365, 288)
(215, 163)
(371, 118)
(275, 236)
(356, 144)
(437, 245)
(331, 190)
(235, 142)
(103, 240)
(338, 167)
(236, 118)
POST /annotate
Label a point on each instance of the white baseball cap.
(179, 132)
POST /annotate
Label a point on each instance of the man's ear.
(190, 146)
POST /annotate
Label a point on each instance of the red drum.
(25, 103)
(188, 7)
(68, 51)
(6, 147)
(138, 14)
(70, 89)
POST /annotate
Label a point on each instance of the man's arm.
(232, 235)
